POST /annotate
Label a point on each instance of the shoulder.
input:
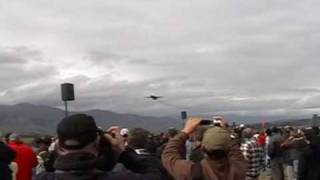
(27, 149)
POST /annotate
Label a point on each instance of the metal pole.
(66, 108)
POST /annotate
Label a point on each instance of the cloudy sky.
(243, 57)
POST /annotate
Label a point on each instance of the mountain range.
(29, 118)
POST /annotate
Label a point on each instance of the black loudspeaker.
(184, 115)
(67, 92)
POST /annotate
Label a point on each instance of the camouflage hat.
(216, 138)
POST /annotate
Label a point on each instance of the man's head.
(216, 141)
(14, 137)
(172, 132)
(275, 130)
(43, 143)
(247, 133)
(217, 121)
(77, 131)
(138, 138)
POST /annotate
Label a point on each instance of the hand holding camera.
(113, 135)
(191, 125)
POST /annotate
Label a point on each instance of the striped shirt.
(254, 154)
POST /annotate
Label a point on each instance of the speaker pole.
(66, 108)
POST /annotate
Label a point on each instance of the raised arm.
(173, 155)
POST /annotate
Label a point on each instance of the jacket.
(82, 166)
(309, 161)
(25, 159)
(232, 168)
(274, 147)
(6, 157)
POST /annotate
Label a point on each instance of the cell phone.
(205, 122)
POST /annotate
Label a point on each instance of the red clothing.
(262, 139)
(26, 160)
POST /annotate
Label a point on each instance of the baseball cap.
(77, 131)
(216, 138)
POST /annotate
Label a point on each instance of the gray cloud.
(239, 57)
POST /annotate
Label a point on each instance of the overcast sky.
(243, 57)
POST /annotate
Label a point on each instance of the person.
(223, 159)
(253, 154)
(79, 144)
(139, 142)
(268, 136)
(43, 154)
(25, 159)
(171, 133)
(294, 145)
(7, 155)
(309, 161)
(276, 154)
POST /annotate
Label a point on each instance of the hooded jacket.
(83, 166)
(232, 168)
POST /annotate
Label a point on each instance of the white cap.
(242, 125)
(217, 120)
(124, 131)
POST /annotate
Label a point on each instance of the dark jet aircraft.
(154, 97)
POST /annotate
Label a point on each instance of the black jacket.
(274, 149)
(6, 157)
(309, 162)
(82, 166)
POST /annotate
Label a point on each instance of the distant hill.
(293, 122)
(28, 118)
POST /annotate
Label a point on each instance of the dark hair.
(275, 130)
(172, 132)
(138, 138)
(46, 140)
(6, 137)
(268, 132)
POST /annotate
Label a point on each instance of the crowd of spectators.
(83, 151)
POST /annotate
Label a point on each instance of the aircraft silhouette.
(154, 97)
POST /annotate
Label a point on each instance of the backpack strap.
(196, 171)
